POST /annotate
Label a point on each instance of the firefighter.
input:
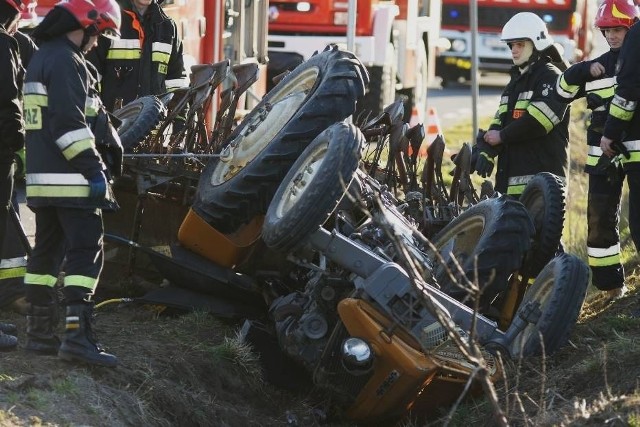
(66, 183)
(530, 131)
(595, 81)
(13, 260)
(621, 136)
(12, 130)
(146, 60)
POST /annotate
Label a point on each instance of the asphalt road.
(453, 104)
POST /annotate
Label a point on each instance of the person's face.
(517, 49)
(93, 42)
(142, 4)
(615, 36)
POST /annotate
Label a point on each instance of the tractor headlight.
(356, 353)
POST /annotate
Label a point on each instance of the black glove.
(98, 187)
(484, 164)
(610, 167)
(620, 148)
(485, 155)
(475, 150)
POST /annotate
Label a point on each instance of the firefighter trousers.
(70, 235)
(633, 180)
(6, 189)
(603, 233)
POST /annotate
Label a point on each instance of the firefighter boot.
(8, 328)
(7, 342)
(41, 323)
(79, 344)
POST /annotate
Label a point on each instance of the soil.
(186, 369)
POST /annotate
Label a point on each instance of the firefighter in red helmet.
(621, 136)
(66, 180)
(595, 80)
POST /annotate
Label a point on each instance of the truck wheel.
(497, 232)
(238, 186)
(139, 118)
(313, 187)
(558, 293)
(544, 199)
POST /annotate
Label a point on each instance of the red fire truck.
(211, 30)
(570, 22)
(396, 40)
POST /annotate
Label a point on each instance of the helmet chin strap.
(85, 40)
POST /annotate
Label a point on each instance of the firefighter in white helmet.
(529, 132)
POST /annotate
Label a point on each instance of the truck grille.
(495, 17)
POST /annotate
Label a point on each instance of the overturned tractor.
(372, 277)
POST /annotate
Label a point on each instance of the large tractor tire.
(381, 90)
(558, 294)
(313, 187)
(544, 199)
(139, 118)
(497, 232)
(239, 186)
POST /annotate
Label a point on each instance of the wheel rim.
(127, 116)
(458, 244)
(535, 206)
(541, 294)
(257, 135)
(305, 174)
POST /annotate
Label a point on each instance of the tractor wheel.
(497, 232)
(139, 118)
(239, 186)
(381, 91)
(557, 294)
(313, 187)
(544, 199)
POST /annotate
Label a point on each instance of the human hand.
(605, 146)
(596, 69)
(492, 137)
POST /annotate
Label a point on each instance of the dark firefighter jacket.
(623, 122)
(61, 150)
(11, 128)
(577, 82)
(145, 60)
(533, 126)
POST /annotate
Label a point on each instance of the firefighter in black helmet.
(66, 181)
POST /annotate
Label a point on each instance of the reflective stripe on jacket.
(146, 60)
(577, 82)
(533, 126)
(61, 152)
(623, 124)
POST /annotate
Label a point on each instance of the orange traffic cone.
(433, 125)
(432, 130)
(416, 117)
